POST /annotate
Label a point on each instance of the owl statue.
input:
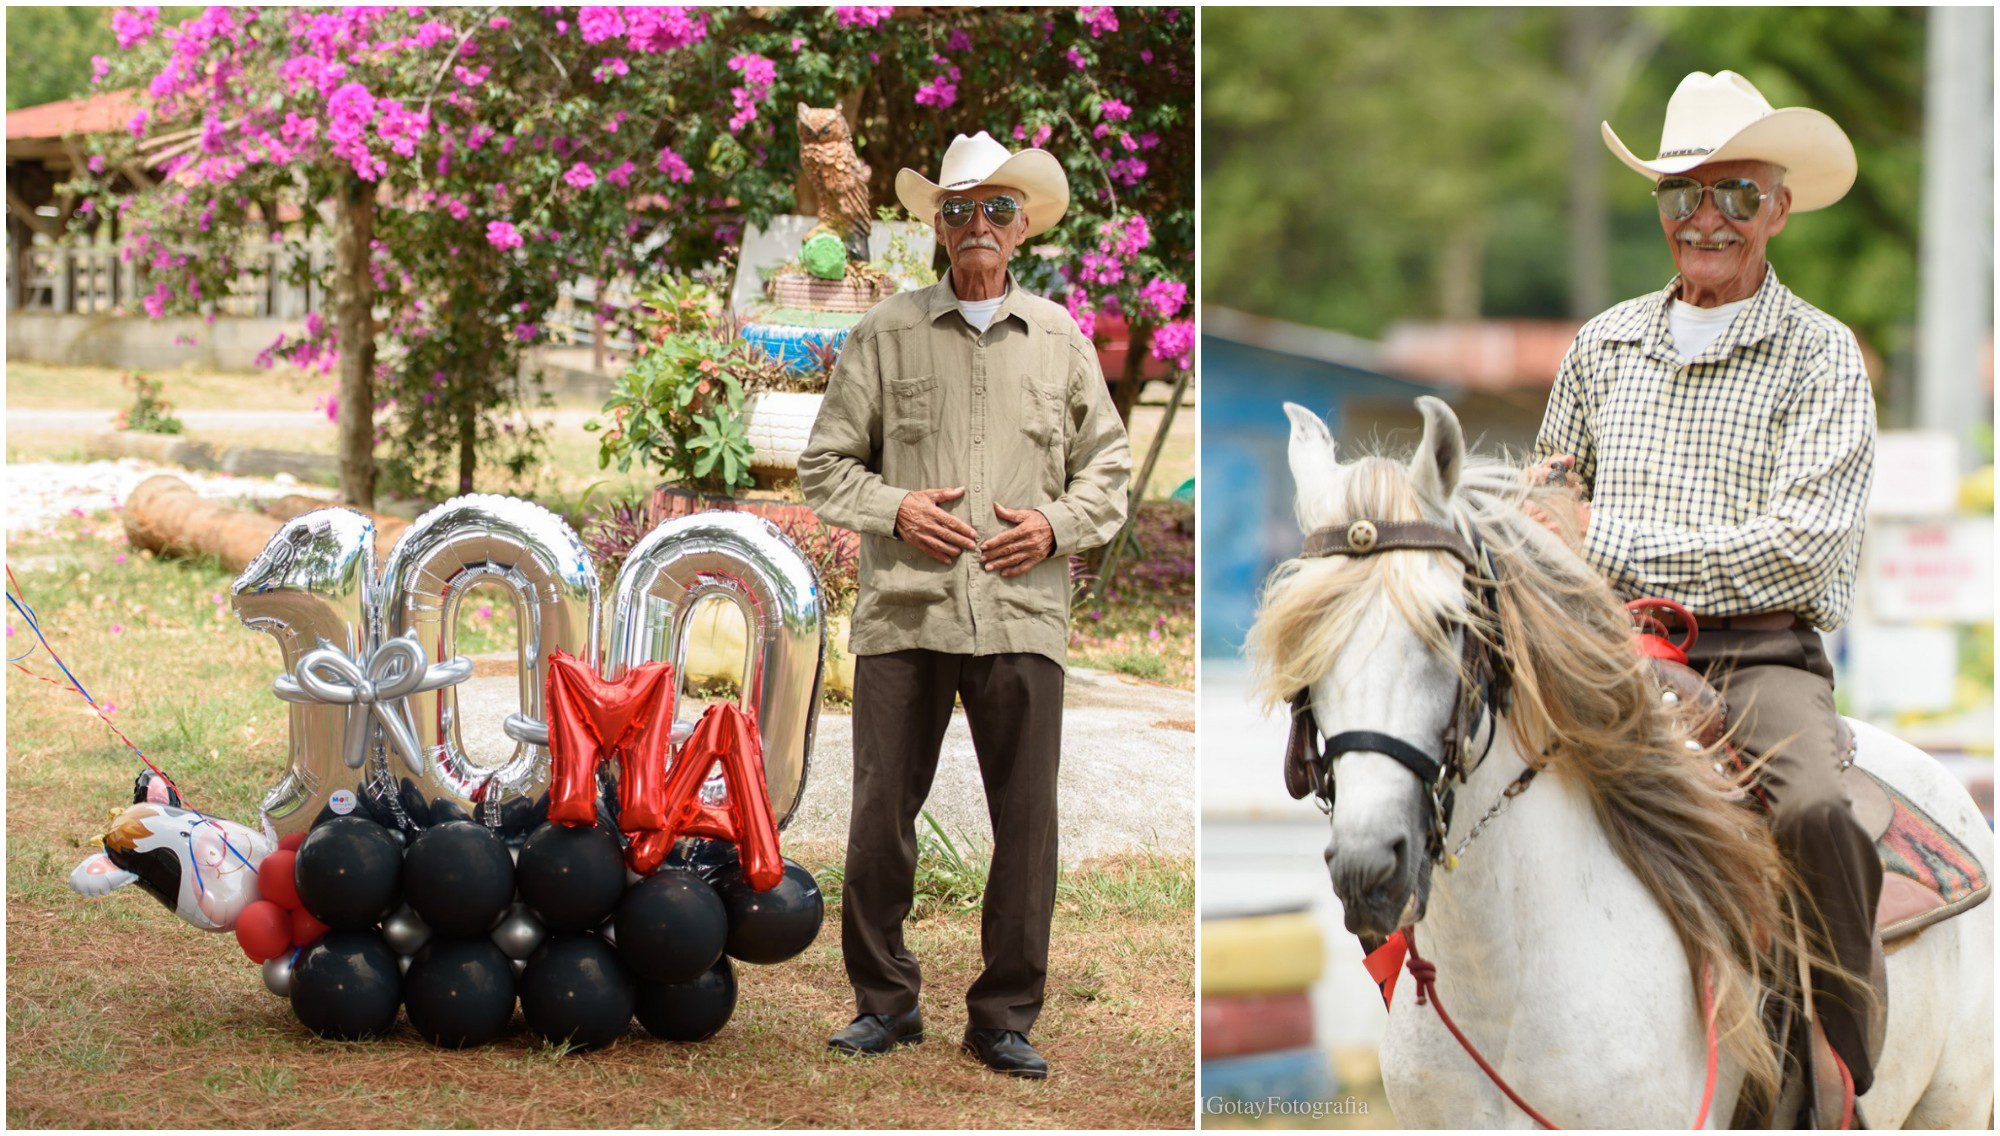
(837, 175)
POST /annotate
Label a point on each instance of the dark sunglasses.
(1737, 198)
(1000, 210)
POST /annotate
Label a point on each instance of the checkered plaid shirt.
(1735, 483)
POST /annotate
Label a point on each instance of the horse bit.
(1482, 689)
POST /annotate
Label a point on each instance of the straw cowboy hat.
(1722, 118)
(979, 160)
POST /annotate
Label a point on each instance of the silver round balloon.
(313, 587)
(403, 963)
(743, 559)
(608, 931)
(519, 933)
(540, 562)
(278, 975)
(405, 931)
(520, 965)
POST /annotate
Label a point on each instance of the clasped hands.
(922, 523)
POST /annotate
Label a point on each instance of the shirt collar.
(1646, 322)
(942, 299)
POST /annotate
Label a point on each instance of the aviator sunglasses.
(1000, 210)
(1737, 198)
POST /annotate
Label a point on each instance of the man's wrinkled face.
(1711, 251)
(979, 245)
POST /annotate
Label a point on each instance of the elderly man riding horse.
(1724, 431)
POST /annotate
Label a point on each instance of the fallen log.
(165, 514)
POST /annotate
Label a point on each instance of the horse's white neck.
(1553, 958)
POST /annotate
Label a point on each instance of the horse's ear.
(1440, 457)
(1315, 469)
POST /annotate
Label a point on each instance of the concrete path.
(1127, 780)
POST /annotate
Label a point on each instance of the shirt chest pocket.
(913, 408)
(1043, 407)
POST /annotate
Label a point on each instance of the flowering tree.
(470, 162)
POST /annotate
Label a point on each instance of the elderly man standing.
(1725, 431)
(968, 436)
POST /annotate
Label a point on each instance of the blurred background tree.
(1375, 165)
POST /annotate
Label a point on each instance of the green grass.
(120, 1015)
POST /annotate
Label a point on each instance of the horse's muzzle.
(1379, 885)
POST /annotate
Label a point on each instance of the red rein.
(1402, 946)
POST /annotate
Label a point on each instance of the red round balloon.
(306, 930)
(277, 879)
(291, 843)
(264, 930)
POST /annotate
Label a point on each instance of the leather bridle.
(1482, 690)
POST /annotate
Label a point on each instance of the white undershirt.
(1693, 329)
(980, 313)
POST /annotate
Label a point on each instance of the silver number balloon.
(745, 560)
(543, 565)
(312, 588)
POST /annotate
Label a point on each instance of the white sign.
(1893, 670)
(1920, 571)
(1916, 474)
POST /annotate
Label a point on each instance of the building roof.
(96, 114)
(1294, 339)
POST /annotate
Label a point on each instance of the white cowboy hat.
(1722, 118)
(979, 160)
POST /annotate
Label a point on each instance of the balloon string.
(27, 613)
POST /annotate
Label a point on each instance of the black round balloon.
(689, 1011)
(671, 926)
(572, 877)
(459, 992)
(349, 873)
(772, 926)
(347, 986)
(576, 990)
(712, 860)
(459, 878)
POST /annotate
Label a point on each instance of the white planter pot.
(779, 424)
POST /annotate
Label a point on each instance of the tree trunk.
(354, 318)
(468, 443)
(1586, 32)
(1462, 284)
(1130, 381)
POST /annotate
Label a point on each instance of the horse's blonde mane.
(1581, 695)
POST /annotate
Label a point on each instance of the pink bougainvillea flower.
(580, 176)
(863, 16)
(674, 166)
(1115, 110)
(599, 24)
(1166, 297)
(118, 629)
(1100, 20)
(1076, 59)
(622, 175)
(1174, 342)
(503, 235)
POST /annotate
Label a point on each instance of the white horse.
(1553, 954)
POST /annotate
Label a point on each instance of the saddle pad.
(1928, 875)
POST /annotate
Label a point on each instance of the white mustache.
(979, 243)
(1720, 236)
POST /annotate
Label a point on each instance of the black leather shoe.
(879, 1033)
(1006, 1051)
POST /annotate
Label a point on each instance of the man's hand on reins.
(1026, 544)
(1556, 470)
(934, 532)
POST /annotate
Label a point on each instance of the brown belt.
(1762, 621)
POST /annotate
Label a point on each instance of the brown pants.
(1779, 686)
(902, 704)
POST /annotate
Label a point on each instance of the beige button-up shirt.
(1019, 416)
(1735, 483)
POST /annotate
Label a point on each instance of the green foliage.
(1366, 166)
(150, 412)
(678, 409)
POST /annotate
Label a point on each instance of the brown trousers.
(1779, 686)
(902, 704)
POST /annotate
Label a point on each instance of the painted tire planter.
(779, 424)
(792, 344)
(1262, 954)
(1303, 1074)
(1236, 1025)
